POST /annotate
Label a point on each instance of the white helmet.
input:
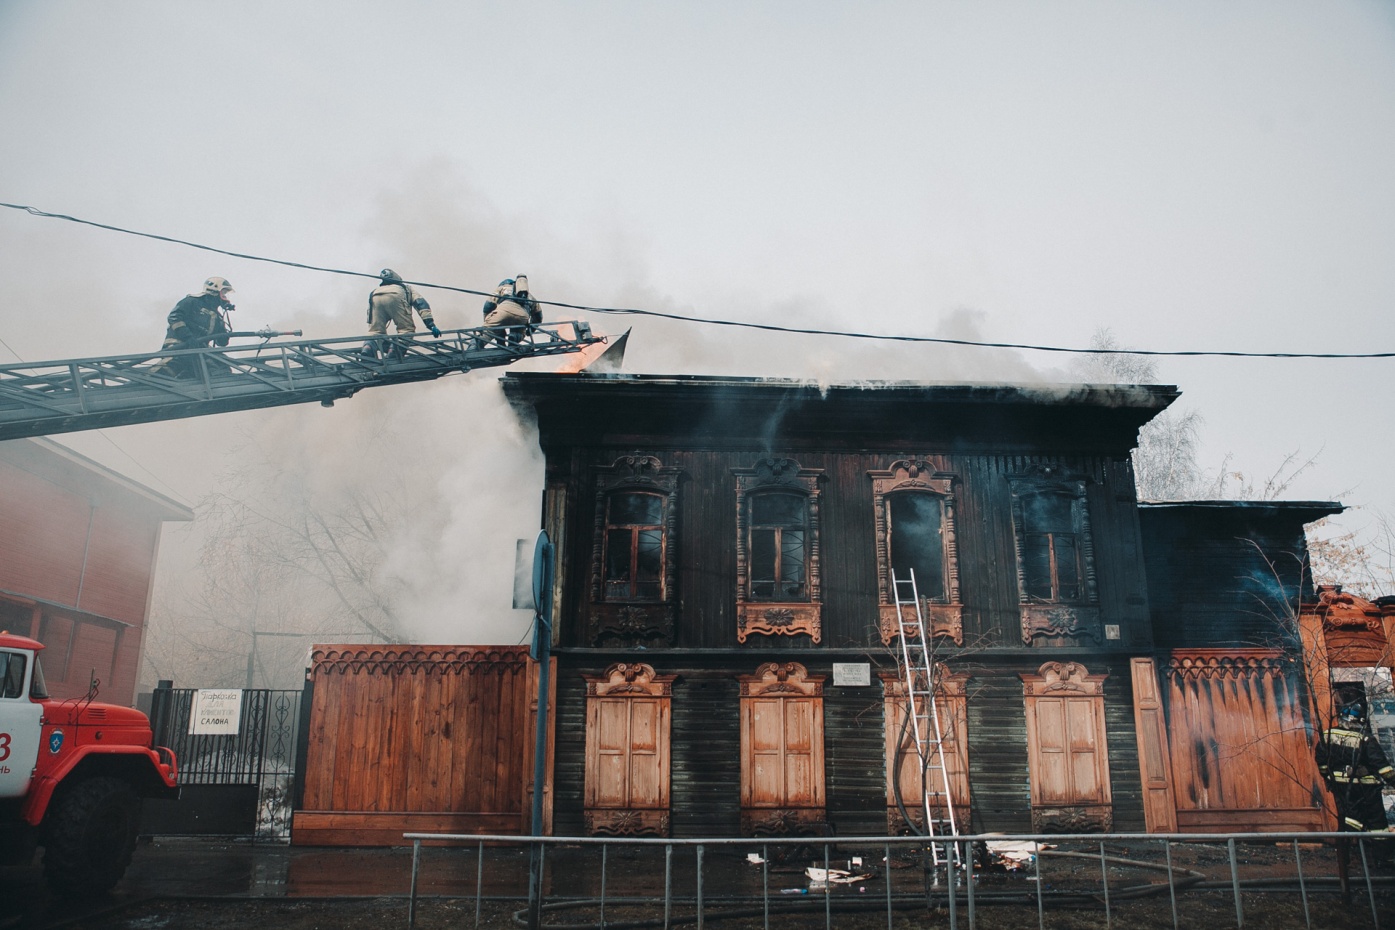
(216, 286)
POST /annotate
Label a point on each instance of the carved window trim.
(918, 476)
(1057, 620)
(626, 683)
(777, 618)
(778, 683)
(1068, 683)
(635, 622)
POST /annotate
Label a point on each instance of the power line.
(708, 321)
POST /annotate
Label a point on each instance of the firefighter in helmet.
(393, 300)
(511, 306)
(1351, 760)
(197, 321)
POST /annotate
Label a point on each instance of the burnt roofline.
(1142, 397)
(1321, 508)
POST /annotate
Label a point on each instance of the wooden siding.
(705, 547)
(418, 735)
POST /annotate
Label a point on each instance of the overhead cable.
(768, 327)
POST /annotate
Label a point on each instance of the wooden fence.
(419, 738)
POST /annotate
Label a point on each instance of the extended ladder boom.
(62, 396)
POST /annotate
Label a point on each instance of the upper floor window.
(634, 546)
(779, 526)
(1055, 558)
(1051, 570)
(777, 550)
(915, 540)
(914, 503)
(634, 578)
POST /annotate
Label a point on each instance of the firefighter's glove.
(435, 330)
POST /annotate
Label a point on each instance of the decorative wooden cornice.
(415, 660)
(1347, 612)
(1197, 664)
(629, 679)
(947, 684)
(781, 679)
(1060, 621)
(1054, 678)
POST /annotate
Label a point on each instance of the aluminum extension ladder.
(918, 674)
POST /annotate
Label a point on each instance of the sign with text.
(216, 712)
(852, 674)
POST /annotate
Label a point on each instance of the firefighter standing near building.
(511, 306)
(394, 300)
(1351, 760)
(196, 322)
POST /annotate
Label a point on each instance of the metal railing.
(1102, 871)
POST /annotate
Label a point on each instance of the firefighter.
(1354, 766)
(511, 306)
(394, 300)
(197, 321)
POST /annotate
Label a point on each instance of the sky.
(1190, 175)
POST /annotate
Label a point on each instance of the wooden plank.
(1159, 805)
(385, 828)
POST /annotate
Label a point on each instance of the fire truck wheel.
(91, 836)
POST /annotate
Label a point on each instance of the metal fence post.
(1104, 878)
(605, 848)
(699, 886)
(668, 884)
(969, 882)
(1302, 886)
(1171, 882)
(412, 897)
(888, 886)
(479, 881)
(1235, 883)
(1370, 889)
(1041, 908)
(765, 883)
(827, 892)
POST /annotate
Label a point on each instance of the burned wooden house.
(724, 618)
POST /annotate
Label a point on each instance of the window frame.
(1056, 618)
(778, 616)
(634, 621)
(918, 475)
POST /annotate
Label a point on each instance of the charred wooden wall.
(705, 548)
(1227, 573)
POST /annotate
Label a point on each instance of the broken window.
(914, 525)
(1050, 554)
(914, 503)
(634, 544)
(1055, 558)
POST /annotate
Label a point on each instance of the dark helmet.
(389, 276)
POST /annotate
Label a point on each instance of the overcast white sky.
(1192, 175)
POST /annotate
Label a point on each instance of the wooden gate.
(418, 739)
(1242, 757)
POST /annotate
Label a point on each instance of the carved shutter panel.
(627, 751)
(782, 778)
(1067, 748)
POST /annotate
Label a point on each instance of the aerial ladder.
(919, 676)
(40, 398)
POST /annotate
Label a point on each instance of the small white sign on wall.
(216, 712)
(852, 674)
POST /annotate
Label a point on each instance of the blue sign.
(55, 741)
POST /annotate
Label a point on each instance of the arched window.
(914, 501)
(778, 591)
